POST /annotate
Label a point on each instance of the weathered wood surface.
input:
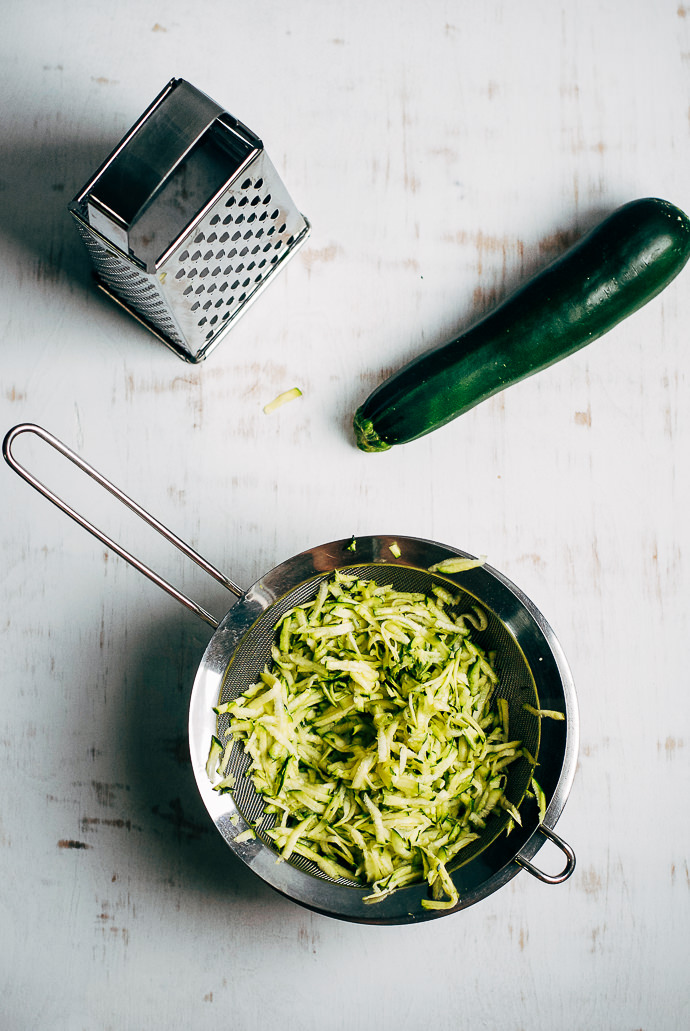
(442, 151)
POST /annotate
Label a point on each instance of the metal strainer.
(529, 661)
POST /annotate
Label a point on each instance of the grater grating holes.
(131, 287)
(244, 223)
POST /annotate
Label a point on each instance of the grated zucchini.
(281, 399)
(551, 714)
(375, 738)
(457, 565)
(214, 755)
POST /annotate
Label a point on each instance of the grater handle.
(38, 431)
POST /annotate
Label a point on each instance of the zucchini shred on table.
(377, 738)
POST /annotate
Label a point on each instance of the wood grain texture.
(443, 152)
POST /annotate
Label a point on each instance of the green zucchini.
(606, 276)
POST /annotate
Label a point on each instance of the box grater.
(187, 221)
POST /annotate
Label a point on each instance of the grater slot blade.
(215, 158)
(135, 173)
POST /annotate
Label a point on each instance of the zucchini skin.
(610, 273)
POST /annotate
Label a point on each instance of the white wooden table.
(442, 151)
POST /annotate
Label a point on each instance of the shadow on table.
(157, 807)
(177, 840)
(38, 179)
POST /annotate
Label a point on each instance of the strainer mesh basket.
(516, 685)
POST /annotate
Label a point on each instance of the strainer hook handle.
(565, 849)
(38, 431)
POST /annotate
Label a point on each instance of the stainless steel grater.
(187, 221)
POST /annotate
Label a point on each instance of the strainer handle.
(38, 431)
(547, 877)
